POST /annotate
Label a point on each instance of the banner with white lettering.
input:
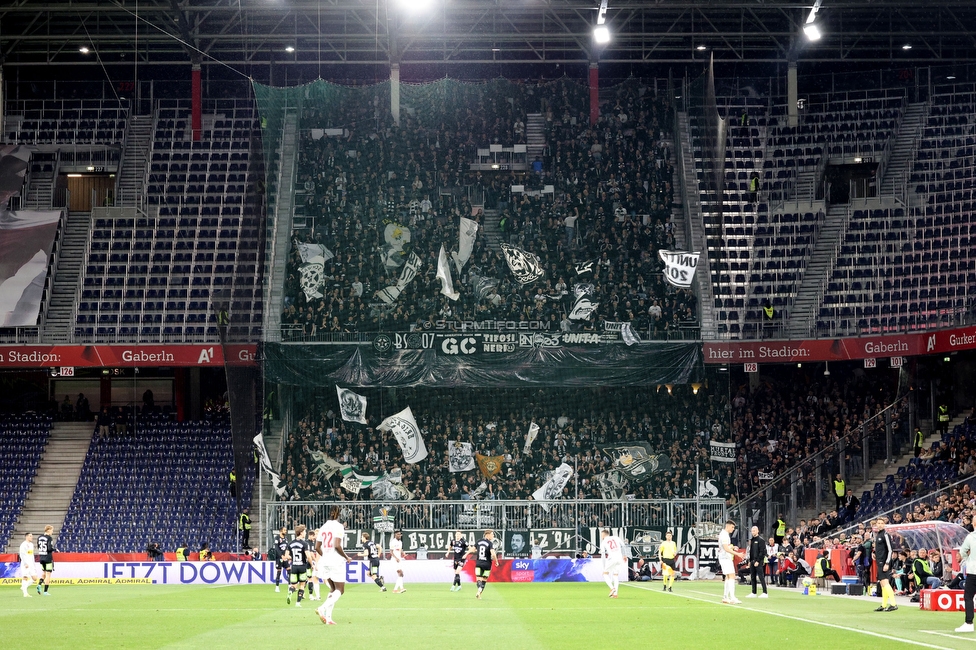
(679, 267)
(530, 438)
(552, 489)
(407, 434)
(525, 266)
(409, 272)
(352, 406)
(722, 452)
(354, 482)
(444, 275)
(460, 456)
(467, 231)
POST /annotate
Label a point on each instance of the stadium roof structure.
(455, 33)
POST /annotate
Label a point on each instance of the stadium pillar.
(196, 100)
(105, 392)
(395, 92)
(817, 486)
(888, 436)
(792, 95)
(842, 453)
(594, 92)
(793, 509)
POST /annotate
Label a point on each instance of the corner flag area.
(559, 615)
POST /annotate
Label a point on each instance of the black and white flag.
(325, 465)
(552, 489)
(585, 267)
(312, 270)
(583, 307)
(444, 275)
(483, 286)
(530, 438)
(266, 465)
(352, 406)
(679, 267)
(524, 266)
(460, 456)
(407, 434)
(467, 230)
(722, 452)
(628, 334)
(312, 253)
(409, 272)
(612, 484)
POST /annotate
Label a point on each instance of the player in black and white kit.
(281, 557)
(460, 551)
(483, 559)
(298, 552)
(44, 550)
(373, 552)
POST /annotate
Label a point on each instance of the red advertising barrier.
(943, 600)
(123, 356)
(864, 347)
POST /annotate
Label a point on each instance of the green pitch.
(432, 617)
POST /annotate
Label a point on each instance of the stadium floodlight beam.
(416, 6)
(811, 29)
(601, 34)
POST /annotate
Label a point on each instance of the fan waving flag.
(407, 433)
(552, 489)
(444, 275)
(524, 266)
(351, 406)
(530, 437)
(679, 267)
(636, 461)
(467, 230)
(460, 456)
(490, 465)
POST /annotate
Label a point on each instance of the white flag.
(722, 452)
(530, 437)
(409, 272)
(444, 275)
(407, 434)
(312, 279)
(628, 334)
(679, 267)
(460, 456)
(524, 266)
(312, 253)
(265, 461)
(467, 230)
(352, 406)
(552, 489)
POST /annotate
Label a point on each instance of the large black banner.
(380, 364)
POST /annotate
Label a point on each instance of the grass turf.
(431, 617)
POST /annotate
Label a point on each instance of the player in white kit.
(28, 570)
(726, 558)
(332, 563)
(396, 552)
(612, 551)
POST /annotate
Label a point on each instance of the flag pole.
(697, 521)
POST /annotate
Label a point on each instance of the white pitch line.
(795, 618)
(951, 636)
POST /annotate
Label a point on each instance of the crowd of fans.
(575, 426)
(611, 205)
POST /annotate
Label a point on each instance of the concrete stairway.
(283, 218)
(57, 321)
(130, 187)
(263, 492)
(489, 230)
(808, 296)
(903, 150)
(535, 137)
(691, 198)
(54, 485)
(40, 191)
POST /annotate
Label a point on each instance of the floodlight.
(601, 34)
(416, 5)
(83, 49)
(701, 48)
(906, 46)
(812, 32)
(289, 49)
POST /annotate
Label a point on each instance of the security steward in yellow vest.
(944, 418)
(840, 491)
(917, 442)
(244, 526)
(780, 529)
(233, 484)
(181, 554)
